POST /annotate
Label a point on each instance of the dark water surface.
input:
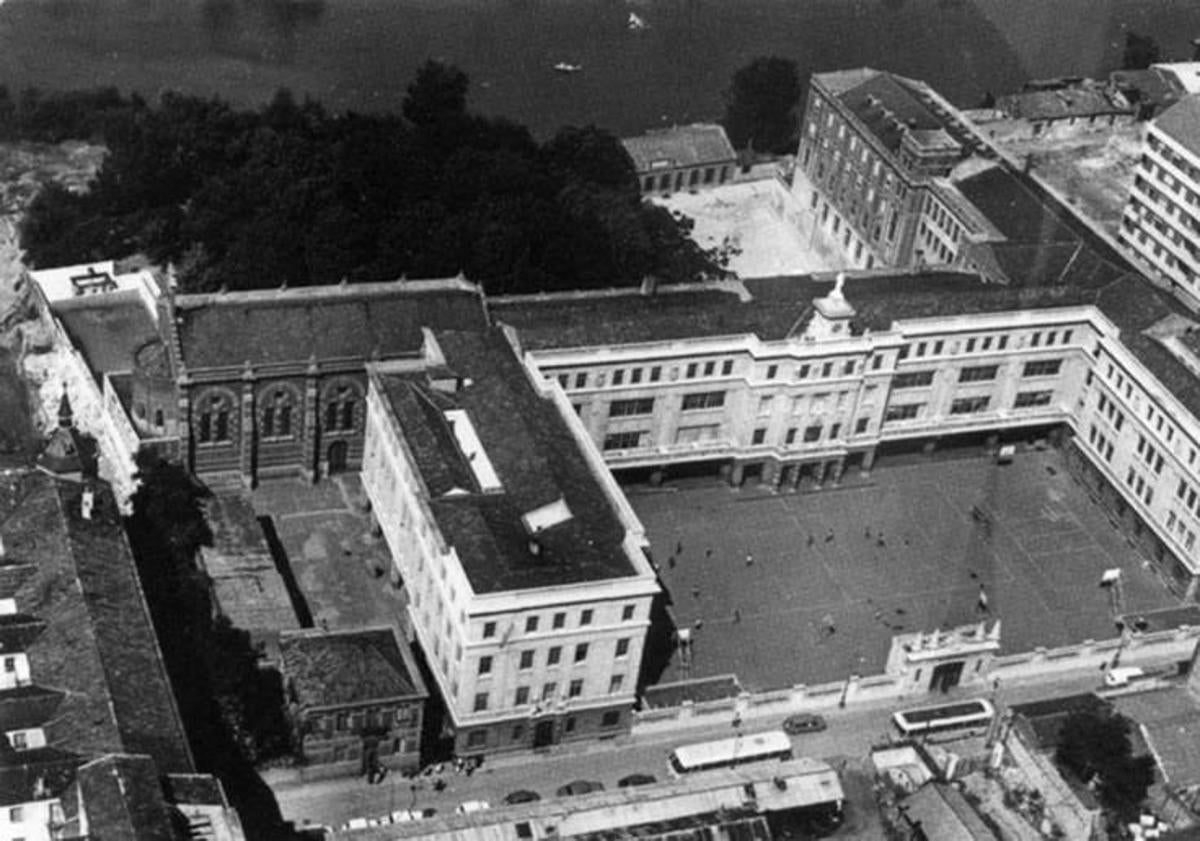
(361, 54)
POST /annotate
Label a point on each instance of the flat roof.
(535, 456)
(107, 328)
(341, 668)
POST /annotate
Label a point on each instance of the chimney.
(87, 503)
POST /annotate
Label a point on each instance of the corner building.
(529, 590)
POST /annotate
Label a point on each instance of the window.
(569, 725)
(860, 425)
(10, 664)
(481, 702)
(912, 379)
(615, 684)
(835, 430)
(710, 367)
(655, 373)
(1028, 399)
(554, 655)
(581, 652)
(827, 369)
(623, 647)
(531, 624)
(576, 688)
(759, 436)
(610, 718)
(548, 690)
(968, 405)
(16, 814)
(772, 370)
(581, 380)
(691, 370)
(703, 400)
(618, 376)
(635, 376)
(585, 618)
(19, 741)
(560, 619)
(876, 363)
(629, 440)
(904, 411)
(477, 739)
(339, 409)
(627, 408)
(1042, 368)
(790, 437)
(802, 371)
(627, 612)
(485, 665)
(489, 630)
(526, 660)
(978, 373)
(1002, 343)
(522, 697)
(812, 433)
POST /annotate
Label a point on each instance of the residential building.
(692, 157)
(529, 590)
(355, 699)
(1064, 110)
(1161, 222)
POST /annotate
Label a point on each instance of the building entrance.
(946, 676)
(337, 457)
(543, 733)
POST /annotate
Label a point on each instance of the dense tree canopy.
(292, 194)
(1096, 746)
(760, 106)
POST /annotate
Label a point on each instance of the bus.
(963, 715)
(728, 753)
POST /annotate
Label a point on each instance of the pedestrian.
(829, 537)
(671, 562)
(749, 560)
(698, 624)
(811, 539)
(867, 532)
(679, 547)
(881, 542)
(737, 616)
(695, 592)
(708, 552)
(982, 604)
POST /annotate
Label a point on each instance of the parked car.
(522, 796)
(803, 723)
(579, 787)
(636, 780)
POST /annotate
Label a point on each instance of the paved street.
(850, 736)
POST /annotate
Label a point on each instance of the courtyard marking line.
(322, 512)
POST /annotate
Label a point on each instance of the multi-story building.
(1161, 223)
(528, 587)
(355, 698)
(669, 160)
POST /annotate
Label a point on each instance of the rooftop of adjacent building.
(1181, 123)
(699, 144)
(122, 797)
(946, 815)
(339, 668)
(1186, 74)
(95, 658)
(888, 105)
(107, 329)
(1081, 100)
(347, 321)
(534, 465)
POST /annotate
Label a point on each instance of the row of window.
(1100, 443)
(558, 620)
(214, 416)
(553, 656)
(478, 739)
(983, 344)
(1152, 457)
(1141, 488)
(522, 696)
(1109, 409)
(356, 721)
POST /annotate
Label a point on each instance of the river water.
(360, 54)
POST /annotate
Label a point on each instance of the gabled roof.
(355, 321)
(1181, 122)
(888, 107)
(340, 668)
(23, 707)
(18, 631)
(122, 798)
(699, 144)
(41, 774)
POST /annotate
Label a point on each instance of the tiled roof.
(18, 631)
(97, 648)
(23, 707)
(888, 108)
(537, 459)
(356, 321)
(107, 328)
(339, 668)
(40, 774)
(1181, 122)
(1016, 211)
(122, 798)
(699, 144)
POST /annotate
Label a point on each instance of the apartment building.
(528, 588)
(1161, 222)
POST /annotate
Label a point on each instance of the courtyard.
(783, 589)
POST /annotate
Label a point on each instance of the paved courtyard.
(810, 587)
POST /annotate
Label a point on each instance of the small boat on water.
(564, 67)
(637, 22)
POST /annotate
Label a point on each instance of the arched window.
(277, 410)
(340, 405)
(214, 418)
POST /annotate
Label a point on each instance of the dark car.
(579, 787)
(522, 796)
(803, 723)
(636, 780)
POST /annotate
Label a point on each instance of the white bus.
(727, 753)
(963, 715)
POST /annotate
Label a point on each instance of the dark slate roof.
(18, 631)
(1014, 209)
(97, 648)
(122, 798)
(888, 107)
(107, 328)
(340, 668)
(536, 458)
(333, 322)
(41, 774)
(1181, 122)
(590, 319)
(699, 144)
(23, 707)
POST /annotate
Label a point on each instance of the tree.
(1140, 51)
(760, 106)
(1096, 746)
(438, 94)
(591, 154)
